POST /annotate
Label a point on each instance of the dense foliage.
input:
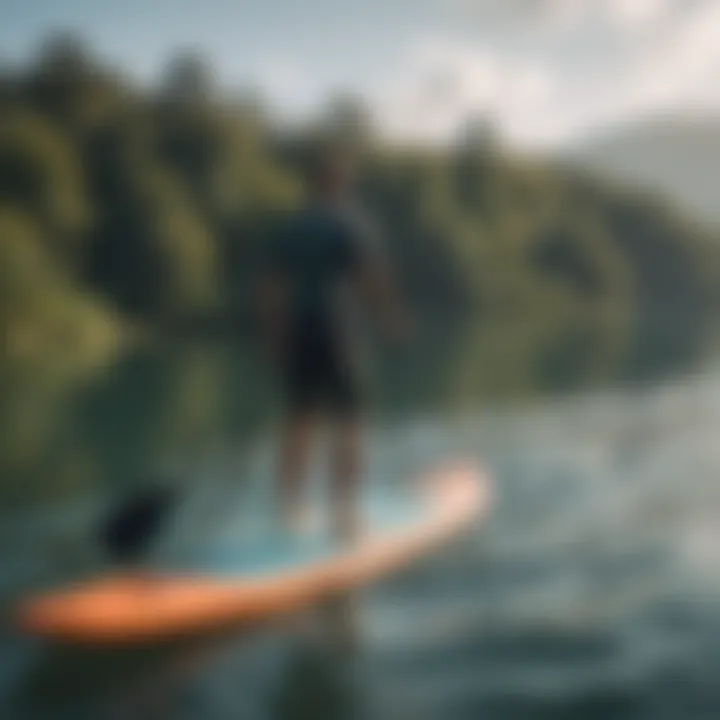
(123, 206)
(134, 212)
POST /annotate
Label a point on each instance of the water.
(591, 592)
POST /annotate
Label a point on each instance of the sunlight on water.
(591, 591)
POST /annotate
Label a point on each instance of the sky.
(548, 72)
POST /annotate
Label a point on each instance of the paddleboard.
(273, 574)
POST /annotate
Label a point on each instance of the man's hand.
(398, 325)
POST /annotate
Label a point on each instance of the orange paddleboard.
(133, 609)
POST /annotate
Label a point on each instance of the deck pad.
(243, 572)
(257, 542)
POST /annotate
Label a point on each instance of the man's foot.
(348, 525)
(302, 520)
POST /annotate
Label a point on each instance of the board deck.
(161, 605)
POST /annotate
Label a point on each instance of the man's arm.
(380, 288)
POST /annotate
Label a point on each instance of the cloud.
(289, 86)
(442, 82)
(680, 67)
(284, 78)
(633, 14)
(565, 14)
(613, 61)
(677, 70)
(550, 94)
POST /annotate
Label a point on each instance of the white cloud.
(635, 14)
(285, 79)
(620, 59)
(570, 15)
(565, 14)
(545, 95)
(680, 67)
(441, 82)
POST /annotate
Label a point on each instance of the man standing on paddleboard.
(326, 267)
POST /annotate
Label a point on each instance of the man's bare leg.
(346, 465)
(296, 444)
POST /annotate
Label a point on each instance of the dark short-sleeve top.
(319, 253)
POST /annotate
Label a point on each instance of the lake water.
(591, 592)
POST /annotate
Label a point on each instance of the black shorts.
(322, 374)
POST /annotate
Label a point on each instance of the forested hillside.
(132, 207)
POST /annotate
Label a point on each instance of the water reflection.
(66, 432)
(592, 591)
(302, 667)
